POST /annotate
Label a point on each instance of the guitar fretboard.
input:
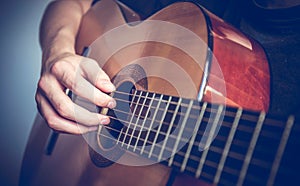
(217, 143)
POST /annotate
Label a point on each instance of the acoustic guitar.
(192, 96)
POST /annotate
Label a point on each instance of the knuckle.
(90, 61)
(75, 85)
(62, 109)
(68, 80)
(52, 122)
(56, 67)
(42, 83)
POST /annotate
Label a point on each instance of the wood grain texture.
(244, 66)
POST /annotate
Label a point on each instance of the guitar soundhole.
(132, 105)
(138, 115)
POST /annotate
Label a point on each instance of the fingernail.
(111, 104)
(104, 121)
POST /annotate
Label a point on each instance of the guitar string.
(183, 114)
(244, 128)
(174, 162)
(215, 149)
(238, 143)
(187, 128)
(232, 171)
(205, 119)
(221, 151)
(225, 124)
(249, 116)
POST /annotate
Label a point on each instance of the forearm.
(59, 27)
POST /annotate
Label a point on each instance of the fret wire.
(225, 168)
(151, 124)
(119, 137)
(205, 175)
(143, 124)
(195, 132)
(251, 148)
(183, 105)
(218, 137)
(159, 127)
(123, 127)
(134, 127)
(281, 147)
(207, 163)
(180, 153)
(154, 99)
(170, 128)
(134, 110)
(224, 124)
(227, 146)
(213, 148)
(180, 132)
(238, 156)
(269, 121)
(196, 158)
(204, 154)
(154, 107)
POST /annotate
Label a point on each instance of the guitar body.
(221, 65)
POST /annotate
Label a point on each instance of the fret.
(144, 121)
(251, 148)
(122, 130)
(119, 137)
(208, 141)
(132, 116)
(227, 146)
(195, 133)
(159, 127)
(169, 129)
(180, 132)
(281, 147)
(151, 124)
(235, 155)
(138, 117)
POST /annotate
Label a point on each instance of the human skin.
(63, 69)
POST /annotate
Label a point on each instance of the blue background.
(20, 56)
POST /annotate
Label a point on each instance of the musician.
(60, 64)
(60, 67)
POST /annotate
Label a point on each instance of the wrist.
(59, 45)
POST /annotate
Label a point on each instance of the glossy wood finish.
(241, 61)
(136, 53)
(244, 66)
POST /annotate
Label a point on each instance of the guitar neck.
(248, 149)
(216, 143)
